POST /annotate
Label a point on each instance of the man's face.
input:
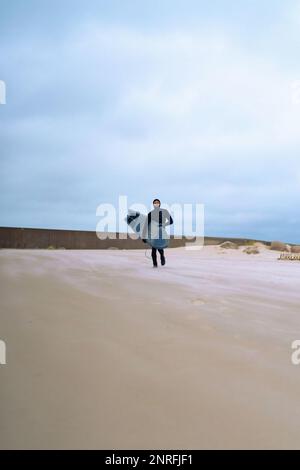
(156, 204)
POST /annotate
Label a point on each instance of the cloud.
(109, 109)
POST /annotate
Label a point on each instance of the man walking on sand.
(162, 218)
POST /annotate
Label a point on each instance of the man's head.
(156, 202)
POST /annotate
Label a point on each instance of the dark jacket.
(158, 215)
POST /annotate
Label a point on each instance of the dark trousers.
(153, 254)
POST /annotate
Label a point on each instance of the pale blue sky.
(189, 101)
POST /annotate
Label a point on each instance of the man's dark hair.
(156, 200)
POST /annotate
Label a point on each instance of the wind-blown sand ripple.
(103, 351)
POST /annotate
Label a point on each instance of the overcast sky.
(186, 100)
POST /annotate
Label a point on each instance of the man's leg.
(162, 257)
(154, 259)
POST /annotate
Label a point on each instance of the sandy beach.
(103, 351)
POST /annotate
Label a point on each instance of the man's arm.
(146, 227)
(169, 220)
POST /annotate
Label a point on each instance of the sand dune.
(103, 351)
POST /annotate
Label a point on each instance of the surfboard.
(158, 236)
